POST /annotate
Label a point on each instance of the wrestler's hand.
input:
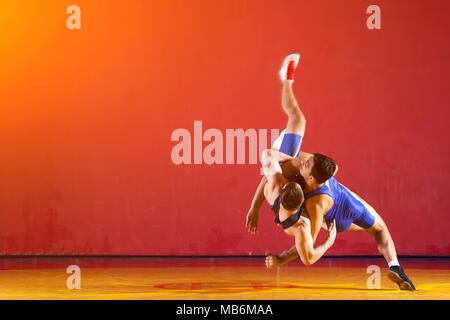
(272, 261)
(331, 232)
(252, 220)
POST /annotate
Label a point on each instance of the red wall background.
(86, 118)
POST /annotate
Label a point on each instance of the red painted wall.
(86, 118)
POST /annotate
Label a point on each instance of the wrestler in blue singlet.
(346, 209)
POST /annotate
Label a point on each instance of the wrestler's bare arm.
(270, 160)
(304, 242)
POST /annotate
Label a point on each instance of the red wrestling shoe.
(289, 67)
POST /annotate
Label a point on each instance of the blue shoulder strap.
(325, 189)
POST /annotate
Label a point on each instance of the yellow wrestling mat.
(210, 278)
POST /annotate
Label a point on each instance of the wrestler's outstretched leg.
(290, 139)
(296, 120)
(386, 247)
(376, 227)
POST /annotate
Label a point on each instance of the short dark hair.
(291, 197)
(323, 168)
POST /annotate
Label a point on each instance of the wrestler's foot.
(397, 275)
(289, 67)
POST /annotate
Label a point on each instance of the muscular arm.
(286, 256)
(258, 198)
(276, 155)
(304, 242)
(270, 160)
(316, 207)
(253, 214)
(304, 154)
(303, 247)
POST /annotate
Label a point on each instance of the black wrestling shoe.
(397, 275)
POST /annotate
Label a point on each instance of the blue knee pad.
(291, 144)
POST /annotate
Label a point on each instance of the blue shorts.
(361, 217)
(365, 220)
(347, 208)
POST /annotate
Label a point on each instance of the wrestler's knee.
(377, 227)
(296, 117)
(296, 122)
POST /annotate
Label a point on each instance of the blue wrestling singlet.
(346, 209)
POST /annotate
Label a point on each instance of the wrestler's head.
(291, 196)
(317, 168)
